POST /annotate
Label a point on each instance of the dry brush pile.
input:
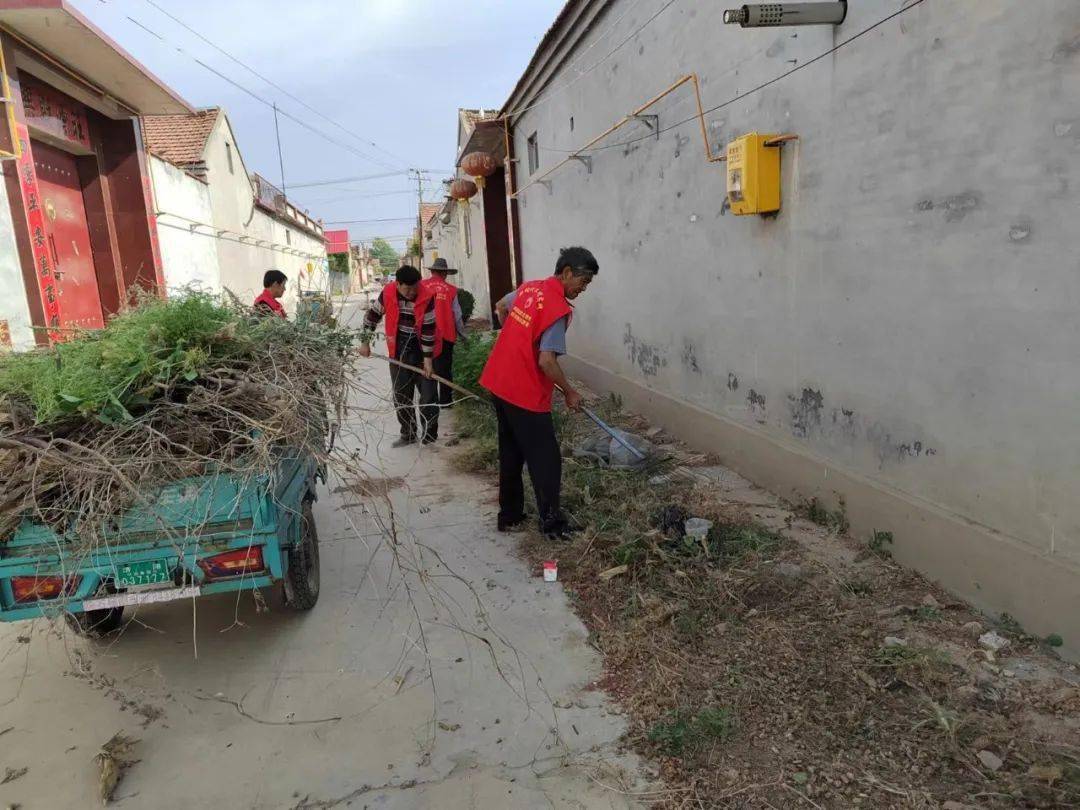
(169, 389)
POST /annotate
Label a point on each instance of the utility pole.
(420, 216)
(281, 160)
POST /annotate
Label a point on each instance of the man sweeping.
(436, 292)
(410, 343)
(268, 302)
(521, 374)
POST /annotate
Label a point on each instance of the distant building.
(77, 234)
(219, 226)
(365, 268)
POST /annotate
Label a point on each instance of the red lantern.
(479, 165)
(462, 190)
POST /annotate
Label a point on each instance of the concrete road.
(435, 672)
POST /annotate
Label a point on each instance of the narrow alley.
(467, 682)
(578, 404)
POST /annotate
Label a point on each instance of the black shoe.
(430, 439)
(563, 535)
(404, 441)
(560, 530)
(510, 525)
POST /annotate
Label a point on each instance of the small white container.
(697, 528)
(551, 570)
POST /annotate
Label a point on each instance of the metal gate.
(68, 235)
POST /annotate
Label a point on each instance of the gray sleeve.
(554, 337)
(508, 299)
(458, 321)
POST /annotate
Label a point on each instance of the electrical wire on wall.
(229, 236)
(544, 97)
(591, 148)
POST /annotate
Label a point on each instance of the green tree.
(414, 246)
(386, 255)
(339, 262)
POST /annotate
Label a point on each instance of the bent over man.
(410, 343)
(521, 374)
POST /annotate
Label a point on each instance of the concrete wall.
(904, 332)
(13, 308)
(448, 241)
(189, 257)
(244, 242)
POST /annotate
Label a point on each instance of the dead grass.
(756, 672)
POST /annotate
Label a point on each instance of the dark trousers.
(405, 384)
(527, 437)
(444, 367)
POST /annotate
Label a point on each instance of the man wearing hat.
(436, 292)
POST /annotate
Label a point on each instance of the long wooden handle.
(435, 377)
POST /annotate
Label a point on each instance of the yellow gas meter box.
(753, 175)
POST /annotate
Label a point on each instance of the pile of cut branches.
(169, 389)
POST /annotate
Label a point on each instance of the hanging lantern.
(479, 165)
(462, 190)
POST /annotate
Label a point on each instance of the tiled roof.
(470, 117)
(428, 211)
(180, 139)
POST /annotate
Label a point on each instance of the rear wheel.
(302, 576)
(96, 622)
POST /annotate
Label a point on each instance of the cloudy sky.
(386, 72)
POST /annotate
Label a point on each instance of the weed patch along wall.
(779, 661)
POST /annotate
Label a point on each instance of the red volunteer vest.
(513, 370)
(267, 300)
(442, 294)
(390, 320)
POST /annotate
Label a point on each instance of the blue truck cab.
(198, 536)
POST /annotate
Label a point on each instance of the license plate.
(151, 572)
(142, 598)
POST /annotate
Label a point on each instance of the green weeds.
(833, 519)
(683, 732)
(115, 371)
(881, 544)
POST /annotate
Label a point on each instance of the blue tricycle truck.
(211, 534)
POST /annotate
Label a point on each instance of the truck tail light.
(39, 589)
(233, 563)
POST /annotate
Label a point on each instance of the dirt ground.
(783, 663)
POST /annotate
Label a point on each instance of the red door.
(69, 237)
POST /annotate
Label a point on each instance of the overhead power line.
(366, 221)
(341, 180)
(269, 81)
(358, 196)
(284, 114)
(261, 100)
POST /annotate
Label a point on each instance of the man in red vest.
(521, 374)
(437, 292)
(412, 343)
(273, 288)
